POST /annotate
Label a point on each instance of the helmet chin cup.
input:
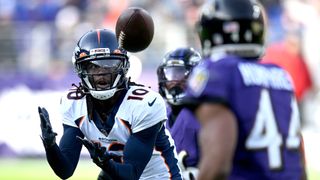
(174, 100)
(103, 95)
(175, 91)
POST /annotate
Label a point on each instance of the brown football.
(134, 29)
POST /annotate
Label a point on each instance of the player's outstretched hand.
(98, 153)
(48, 136)
(188, 173)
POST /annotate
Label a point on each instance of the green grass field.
(39, 169)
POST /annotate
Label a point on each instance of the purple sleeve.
(210, 82)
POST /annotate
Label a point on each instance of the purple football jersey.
(262, 99)
(184, 131)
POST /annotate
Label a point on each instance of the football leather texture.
(134, 29)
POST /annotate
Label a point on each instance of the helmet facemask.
(172, 82)
(103, 76)
(174, 72)
(100, 63)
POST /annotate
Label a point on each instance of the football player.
(172, 75)
(250, 126)
(118, 121)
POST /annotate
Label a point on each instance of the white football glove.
(188, 173)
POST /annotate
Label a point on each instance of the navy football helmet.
(174, 71)
(100, 64)
(232, 27)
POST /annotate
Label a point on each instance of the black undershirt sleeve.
(137, 153)
(64, 159)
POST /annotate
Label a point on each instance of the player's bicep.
(218, 138)
(208, 111)
(63, 160)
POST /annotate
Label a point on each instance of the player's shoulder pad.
(143, 108)
(72, 109)
(226, 63)
(66, 102)
(143, 97)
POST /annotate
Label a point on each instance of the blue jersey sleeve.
(64, 159)
(137, 153)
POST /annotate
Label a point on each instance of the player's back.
(269, 124)
(262, 99)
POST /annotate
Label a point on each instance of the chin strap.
(174, 99)
(103, 94)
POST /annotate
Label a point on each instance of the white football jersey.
(140, 109)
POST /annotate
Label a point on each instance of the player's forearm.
(217, 141)
(136, 155)
(64, 158)
(59, 163)
(128, 170)
(120, 171)
(211, 165)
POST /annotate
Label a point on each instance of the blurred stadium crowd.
(37, 38)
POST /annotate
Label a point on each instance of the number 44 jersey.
(262, 99)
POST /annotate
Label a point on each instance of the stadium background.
(37, 38)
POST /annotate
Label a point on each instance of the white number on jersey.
(265, 134)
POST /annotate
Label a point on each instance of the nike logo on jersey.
(152, 102)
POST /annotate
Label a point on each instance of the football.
(134, 29)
